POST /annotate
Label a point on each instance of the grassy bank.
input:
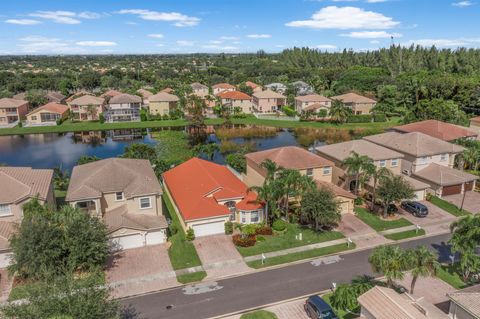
(377, 223)
(192, 277)
(259, 314)
(448, 207)
(451, 275)
(405, 234)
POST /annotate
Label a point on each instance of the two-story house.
(312, 103)
(162, 103)
(268, 101)
(18, 185)
(445, 131)
(222, 87)
(307, 163)
(86, 107)
(254, 86)
(126, 195)
(199, 89)
(206, 195)
(236, 100)
(277, 87)
(359, 104)
(12, 111)
(429, 160)
(123, 108)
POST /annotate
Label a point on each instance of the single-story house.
(438, 129)
(465, 303)
(199, 89)
(302, 88)
(47, 114)
(206, 195)
(277, 87)
(55, 97)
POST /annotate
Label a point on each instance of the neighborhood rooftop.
(51, 107)
(289, 157)
(353, 98)
(234, 95)
(163, 97)
(125, 98)
(438, 129)
(7, 102)
(87, 100)
(312, 98)
(23, 183)
(268, 94)
(342, 151)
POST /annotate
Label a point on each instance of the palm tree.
(60, 178)
(471, 157)
(92, 111)
(269, 193)
(425, 263)
(391, 261)
(465, 239)
(376, 174)
(207, 149)
(339, 112)
(355, 164)
(271, 167)
(290, 179)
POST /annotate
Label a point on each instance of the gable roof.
(119, 218)
(276, 85)
(475, 120)
(145, 93)
(51, 107)
(163, 97)
(342, 151)
(7, 229)
(443, 175)
(223, 86)
(196, 185)
(111, 93)
(438, 129)
(20, 183)
(337, 190)
(353, 98)
(55, 96)
(198, 86)
(234, 95)
(268, 94)
(415, 143)
(312, 98)
(468, 299)
(88, 100)
(252, 85)
(292, 157)
(125, 98)
(167, 90)
(135, 177)
(8, 102)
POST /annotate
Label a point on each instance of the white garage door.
(209, 229)
(155, 238)
(420, 195)
(5, 260)
(128, 241)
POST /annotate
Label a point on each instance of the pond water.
(54, 149)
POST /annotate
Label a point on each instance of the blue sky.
(185, 26)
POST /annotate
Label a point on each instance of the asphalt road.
(265, 287)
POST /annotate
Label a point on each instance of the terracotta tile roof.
(51, 107)
(289, 157)
(223, 86)
(268, 94)
(125, 98)
(145, 93)
(7, 229)
(475, 119)
(135, 177)
(252, 85)
(7, 102)
(312, 98)
(196, 185)
(111, 93)
(415, 143)
(341, 151)
(87, 100)
(443, 175)
(234, 95)
(353, 98)
(19, 183)
(468, 299)
(167, 90)
(338, 191)
(314, 107)
(438, 129)
(198, 86)
(119, 218)
(163, 97)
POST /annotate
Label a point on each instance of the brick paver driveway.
(471, 203)
(140, 270)
(436, 216)
(285, 310)
(352, 226)
(219, 255)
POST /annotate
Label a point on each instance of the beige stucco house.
(359, 104)
(123, 108)
(126, 194)
(47, 114)
(162, 103)
(12, 111)
(145, 94)
(199, 89)
(307, 163)
(19, 185)
(86, 107)
(236, 100)
(311, 102)
(268, 101)
(465, 303)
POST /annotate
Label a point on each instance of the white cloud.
(131, 23)
(219, 48)
(39, 44)
(326, 46)
(155, 35)
(462, 4)
(178, 19)
(23, 21)
(333, 17)
(185, 43)
(460, 42)
(63, 17)
(374, 42)
(96, 43)
(89, 15)
(371, 35)
(215, 41)
(227, 38)
(259, 36)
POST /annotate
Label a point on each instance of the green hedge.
(379, 117)
(360, 118)
(288, 111)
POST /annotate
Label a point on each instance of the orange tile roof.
(196, 185)
(51, 107)
(252, 85)
(475, 119)
(234, 95)
(223, 86)
(111, 93)
(438, 129)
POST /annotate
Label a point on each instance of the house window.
(34, 117)
(443, 157)
(244, 217)
(5, 210)
(423, 160)
(395, 162)
(327, 170)
(382, 163)
(254, 217)
(118, 196)
(309, 171)
(145, 203)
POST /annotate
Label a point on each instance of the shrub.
(288, 111)
(264, 230)
(358, 201)
(20, 124)
(143, 115)
(59, 121)
(429, 196)
(244, 241)
(322, 113)
(190, 234)
(101, 118)
(360, 118)
(379, 117)
(228, 228)
(279, 225)
(249, 230)
(173, 229)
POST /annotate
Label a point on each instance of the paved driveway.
(219, 256)
(436, 216)
(5, 284)
(471, 203)
(352, 226)
(284, 310)
(140, 270)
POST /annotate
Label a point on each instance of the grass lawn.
(451, 275)
(340, 313)
(448, 207)
(377, 223)
(259, 314)
(182, 252)
(60, 197)
(192, 277)
(257, 264)
(287, 240)
(405, 234)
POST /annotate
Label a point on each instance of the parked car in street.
(317, 308)
(415, 208)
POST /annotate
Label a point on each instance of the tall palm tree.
(290, 179)
(338, 112)
(375, 174)
(269, 193)
(471, 157)
(391, 261)
(271, 167)
(356, 164)
(425, 263)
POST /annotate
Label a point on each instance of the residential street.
(210, 299)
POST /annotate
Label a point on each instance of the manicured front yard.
(312, 253)
(405, 234)
(377, 223)
(448, 207)
(287, 240)
(451, 275)
(192, 277)
(342, 314)
(259, 314)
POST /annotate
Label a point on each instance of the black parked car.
(317, 308)
(415, 208)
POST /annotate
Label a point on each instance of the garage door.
(209, 229)
(128, 241)
(451, 190)
(468, 186)
(155, 238)
(420, 195)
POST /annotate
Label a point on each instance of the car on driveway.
(415, 208)
(317, 308)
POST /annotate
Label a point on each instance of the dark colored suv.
(317, 308)
(415, 208)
